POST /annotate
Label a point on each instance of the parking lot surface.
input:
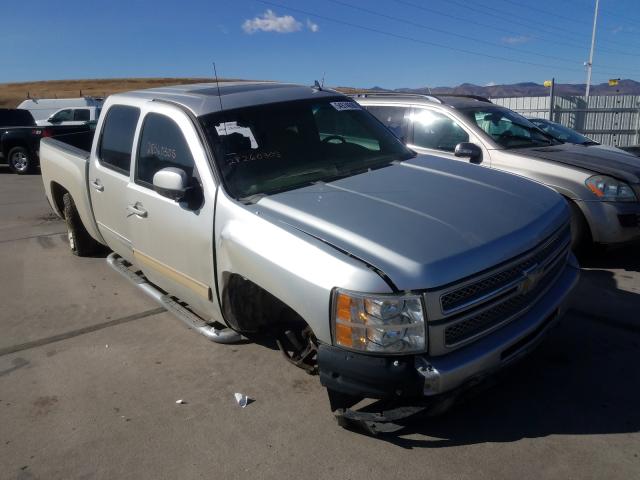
(90, 371)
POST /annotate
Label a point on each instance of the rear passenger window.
(81, 115)
(116, 143)
(395, 119)
(162, 145)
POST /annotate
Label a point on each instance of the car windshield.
(508, 129)
(283, 146)
(561, 133)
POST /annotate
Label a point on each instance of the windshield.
(282, 146)
(507, 128)
(561, 133)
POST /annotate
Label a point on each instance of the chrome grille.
(461, 331)
(460, 313)
(468, 294)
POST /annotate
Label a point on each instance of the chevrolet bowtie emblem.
(531, 278)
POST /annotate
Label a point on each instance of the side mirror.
(171, 182)
(470, 150)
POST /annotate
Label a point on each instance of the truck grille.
(492, 299)
(453, 300)
(461, 331)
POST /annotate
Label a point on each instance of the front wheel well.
(247, 307)
(581, 236)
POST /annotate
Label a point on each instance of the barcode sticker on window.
(346, 106)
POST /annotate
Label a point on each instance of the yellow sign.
(547, 83)
(613, 82)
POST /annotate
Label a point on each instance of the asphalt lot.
(90, 371)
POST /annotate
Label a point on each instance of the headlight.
(378, 323)
(610, 189)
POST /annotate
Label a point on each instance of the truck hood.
(425, 222)
(618, 164)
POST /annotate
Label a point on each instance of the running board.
(193, 321)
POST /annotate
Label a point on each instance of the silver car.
(601, 186)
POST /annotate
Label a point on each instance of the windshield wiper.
(302, 173)
(529, 141)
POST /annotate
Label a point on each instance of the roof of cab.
(203, 98)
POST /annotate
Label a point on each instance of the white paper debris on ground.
(180, 402)
(242, 399)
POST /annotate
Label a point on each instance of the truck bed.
(64, 163)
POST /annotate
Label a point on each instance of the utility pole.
(552, 99)
(593, 43)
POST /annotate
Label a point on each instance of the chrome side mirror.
(171, 182)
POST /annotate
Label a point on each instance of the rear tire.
(20, 161)
(80, 242)
(581, 239)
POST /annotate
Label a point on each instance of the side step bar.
(193, 321)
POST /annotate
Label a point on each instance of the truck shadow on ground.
(4, 169)
(624, 258)
(582, 380)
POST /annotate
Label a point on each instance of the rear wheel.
(80, 242)
(20, 160)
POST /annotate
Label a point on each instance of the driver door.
(173, 241)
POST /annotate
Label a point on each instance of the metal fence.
(608, 119)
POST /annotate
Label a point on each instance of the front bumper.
(420, 376)
(612, 222)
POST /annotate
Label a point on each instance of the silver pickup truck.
(290, 210)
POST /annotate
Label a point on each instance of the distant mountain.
(524, 89)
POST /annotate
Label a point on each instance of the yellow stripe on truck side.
(192, 284)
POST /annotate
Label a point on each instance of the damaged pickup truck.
(291, 211)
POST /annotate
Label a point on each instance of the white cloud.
(620, 28)
(516, 40)
(314, 27)
(270, 22)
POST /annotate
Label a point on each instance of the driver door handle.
(136, 210)
(97, 185)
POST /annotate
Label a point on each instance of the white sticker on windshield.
(229, 128)
(346, 106)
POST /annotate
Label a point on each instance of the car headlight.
(378, 323)
(610, 189)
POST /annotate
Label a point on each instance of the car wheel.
(80, 242)
(580, 233)
(20, 160)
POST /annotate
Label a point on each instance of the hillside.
(530, 89)
(11, 94)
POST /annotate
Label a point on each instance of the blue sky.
(390, 43)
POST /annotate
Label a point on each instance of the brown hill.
(11, 94)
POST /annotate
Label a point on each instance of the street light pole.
(593, 43)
